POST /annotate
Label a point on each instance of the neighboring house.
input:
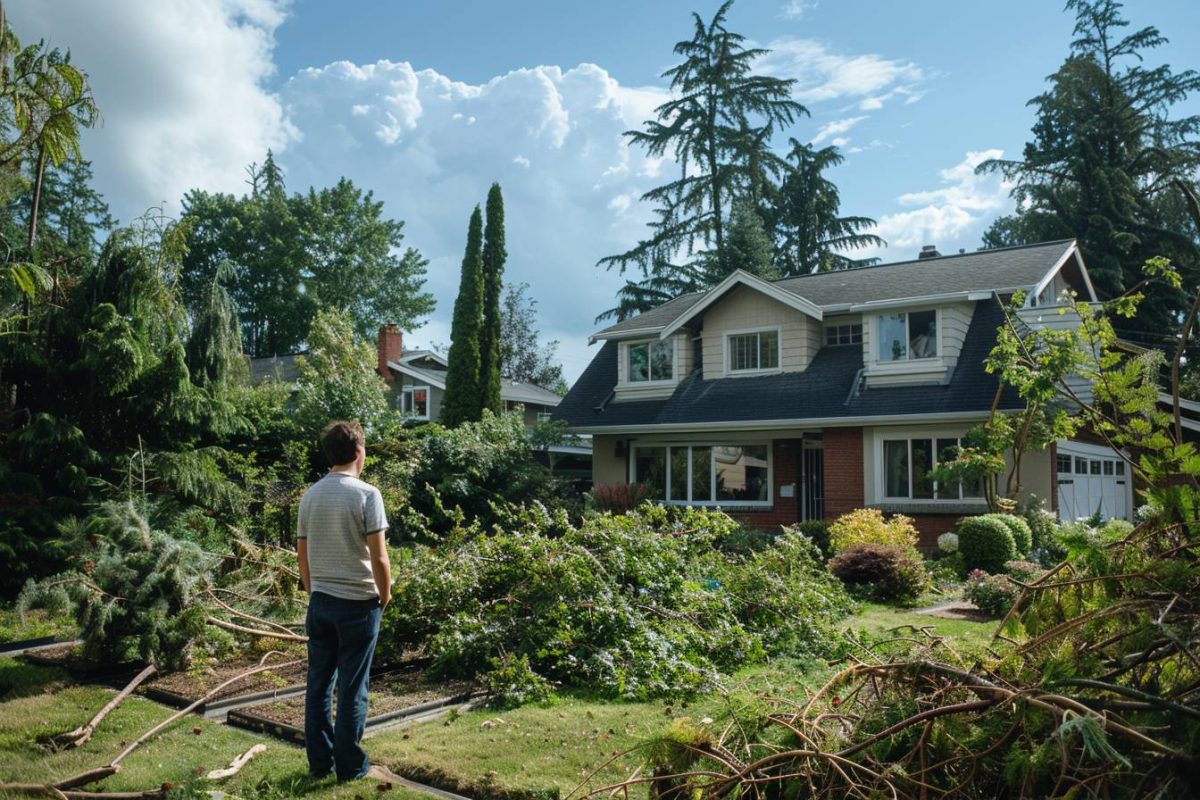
(807, 397)
(417, 380)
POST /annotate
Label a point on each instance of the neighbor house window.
(753, 351)
(903, 337)
(651, 361)
(414, 401)
(907, 464)
(843, 334)
(721, 474)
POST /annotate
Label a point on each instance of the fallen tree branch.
(230, 626)
(236, 765)
(75, 738)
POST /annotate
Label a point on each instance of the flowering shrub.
(991, 593)
(868, 526)
(1024, 571)
(882, 572)
(948, 542)
(636, 605)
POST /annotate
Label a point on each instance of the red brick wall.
(389, 347)
(931, 526)
(785, 454)
(843, 470)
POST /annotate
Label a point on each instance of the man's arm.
(381, 566)
(302, 561)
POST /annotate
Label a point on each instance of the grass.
(35, 624)
(555, 746)
(175, 756)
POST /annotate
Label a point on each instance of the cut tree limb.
(236, 765)
(230, 626)
(75, 738)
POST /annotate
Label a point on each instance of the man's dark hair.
(340, 441)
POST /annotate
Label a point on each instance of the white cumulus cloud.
(180, 86)
(950, 216)
(822, 74)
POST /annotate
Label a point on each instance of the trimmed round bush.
(1021, 534)
(868, 526)
(882, 572)
(986, 543)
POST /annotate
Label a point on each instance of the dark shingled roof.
(984, 270)
(821, 391)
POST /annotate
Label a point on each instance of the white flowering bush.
(948, 542)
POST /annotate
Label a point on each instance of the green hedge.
(985, 542)
(1022, 535)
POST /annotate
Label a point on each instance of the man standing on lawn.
(345, 569)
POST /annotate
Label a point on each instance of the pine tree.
(718, 126)
(463, 400)
(811, 234)
(1101, 165)
(493, 281)
(748, 247)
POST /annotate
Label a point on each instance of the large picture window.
(651, 361)
(753, 351)
(414, 401)
(907, 464)
(723, 474)
(905, 337)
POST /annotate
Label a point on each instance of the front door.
(812, 478)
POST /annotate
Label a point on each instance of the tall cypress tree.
(493, 281)
(463, 392)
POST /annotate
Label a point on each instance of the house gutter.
(782, 424)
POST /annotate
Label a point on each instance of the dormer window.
(908, 336)
(652, 361)
(754, 351)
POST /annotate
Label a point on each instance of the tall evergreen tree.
(494, 255)
(748, 246)
(811, 234)
(1104, 155)
(463, 400)
(718, 125)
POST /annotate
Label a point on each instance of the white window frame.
(881, 494)
(728, 352)
(877, 337)
(834, 330)
(712, 488)
(408, 389)
(628, 356)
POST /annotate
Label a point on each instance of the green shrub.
(882, 572)
(868, 526)
(1022, 536)
(817, 532)
(1043, 526)
(636, 605)
(993, 594)
(985, 543)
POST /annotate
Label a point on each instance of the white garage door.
(1092, 478)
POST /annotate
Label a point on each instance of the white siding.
(746, 309)
(953, 322)
(641, 391)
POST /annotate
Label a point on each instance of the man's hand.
(381, 567)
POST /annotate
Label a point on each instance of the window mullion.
(689, 473)
(910, 470)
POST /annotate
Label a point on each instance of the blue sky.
(427, 103)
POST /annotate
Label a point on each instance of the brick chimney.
(929, 251)
(390, 347)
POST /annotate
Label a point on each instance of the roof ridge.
(925, 260)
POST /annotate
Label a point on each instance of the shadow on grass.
(18, 679)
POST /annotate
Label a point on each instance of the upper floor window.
(843, 334)
(907, 336)
(753, 351)
(651, 361)
(414, 401)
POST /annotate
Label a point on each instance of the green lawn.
(552, 746)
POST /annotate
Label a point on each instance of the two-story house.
(807, 397)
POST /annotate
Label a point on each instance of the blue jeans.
(341, 642)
